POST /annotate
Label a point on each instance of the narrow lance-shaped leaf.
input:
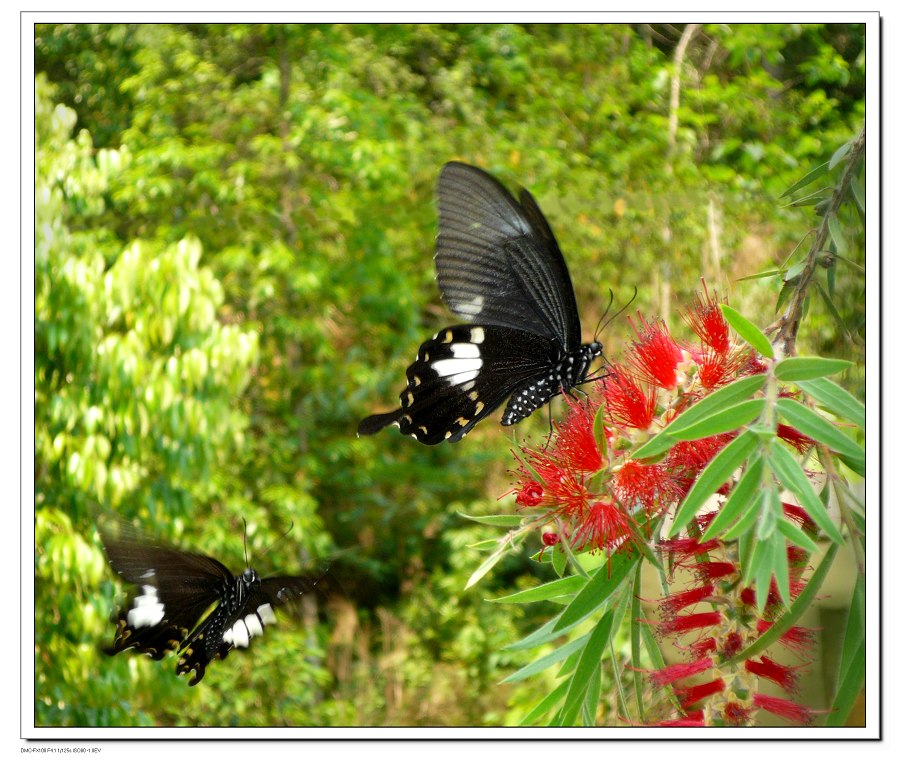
(817, 428)
(727, 420)
(588, 663)
(747, 331)
(716, 473)
(806, 179)
(805, 368)
(794, 479)
(836, 399)
(721, 399)
(738, 500)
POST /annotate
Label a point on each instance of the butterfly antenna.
(605, 313)
(278, 539)
(617, 313)
(246, 556)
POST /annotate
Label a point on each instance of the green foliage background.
(234, 231)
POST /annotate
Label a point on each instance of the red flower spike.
(672, 604)
(783, 676)
(705, 317)
(715, 370)
(603, 527)
(702, 647)
(646, 486)
(798, 639)
(626, 402)
(798, 515)
(692, 719)
(656, 356)
(789, 710)
(731, 645)
(575, 443)
(668, 675)
(530, 494)
(694, 693)
(710, 570)
(736, 714)
(797, 439)
(689, 622)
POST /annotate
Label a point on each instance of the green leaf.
(806, 368)
(605, 580)
(793, 271)
(549, 701)
(838, 155)
(600, 434)
(855, 631)
(726, 420)
(747, 331)
(837, 235)
(790, 617)
(848, 688)
(793, 478)
(548, 660)
(738, 501)
(780, 570)
(760, 275)
(835, 399)
(558, 557)
(719, 400)
(783, 296)
(489, 563)
(747, 519)
(494, 520)
(817, 428)
(554, 589)
(716, 473)
(588, 664)
(797, 536)
(806, 179)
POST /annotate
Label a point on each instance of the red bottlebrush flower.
(709, 570)
(789, 710)
(797, 439)
(798, 514)
(688, 546)
(626, 402)
(783, 676)
(702, 647)
(563, 488)
(706, 319)
(798, 639)
(668, 675)
(656, 356)
(680, 624)
(736, 714)
(604, 526)
(575, 442)
(753, 365)
(530, 494)
(686, 459)
(731, 644)
(672, 604)
(646, 486)
(694, 693)
(715, 370)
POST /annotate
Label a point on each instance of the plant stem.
(786, 339)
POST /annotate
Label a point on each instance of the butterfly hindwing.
(462, 375)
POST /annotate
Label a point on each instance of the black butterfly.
(497, 264)
(177, 589)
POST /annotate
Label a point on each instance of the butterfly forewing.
(497, 260)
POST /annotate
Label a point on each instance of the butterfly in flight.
(178, 589)
(499, 266)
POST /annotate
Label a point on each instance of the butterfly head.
(250, 577)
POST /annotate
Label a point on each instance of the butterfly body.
(498, 264)
(190, 603)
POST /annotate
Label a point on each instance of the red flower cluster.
(590, 493)
(712, 687)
